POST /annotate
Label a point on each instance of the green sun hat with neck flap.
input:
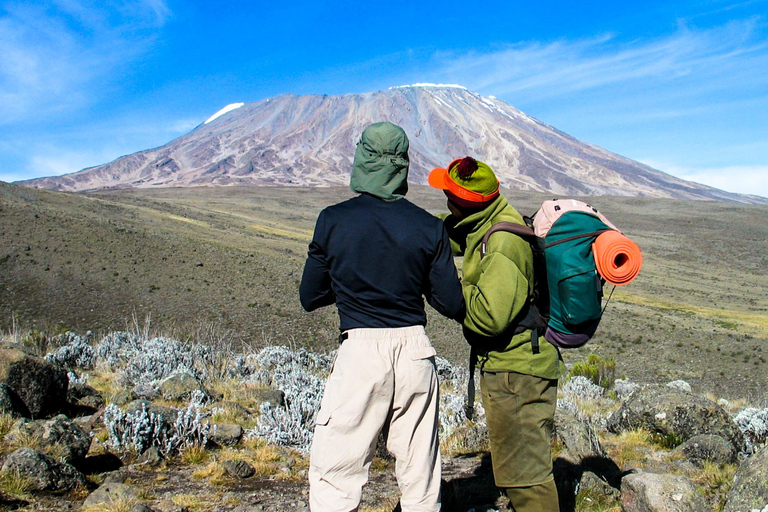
(381, 162)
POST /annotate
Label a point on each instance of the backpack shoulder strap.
(510, 227)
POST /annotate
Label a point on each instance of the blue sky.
(679, 85)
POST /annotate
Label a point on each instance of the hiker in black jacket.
(376, 256)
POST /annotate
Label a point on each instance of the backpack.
(568, 290)
(566, 306)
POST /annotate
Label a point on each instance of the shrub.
(144, 429)
(75, 351)
(601, 372)
(143, 362)
(753, 423)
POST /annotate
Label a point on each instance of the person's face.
(455, 210)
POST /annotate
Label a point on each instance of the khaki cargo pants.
(381, 377)
(520, 411)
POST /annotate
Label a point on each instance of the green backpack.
(568, 291)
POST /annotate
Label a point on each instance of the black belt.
(343, 336)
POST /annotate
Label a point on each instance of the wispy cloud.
(55, 57)
(707, 59)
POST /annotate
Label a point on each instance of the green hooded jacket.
(381, 162)
(497, 291)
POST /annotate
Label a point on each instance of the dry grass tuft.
(630, 446)
(15, 484)
(213, 472)
(6, 424)
(195, 455)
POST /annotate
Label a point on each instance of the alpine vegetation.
(753, 423)
(145, 429)
(290, 372)
(75, 351)
(143, 362)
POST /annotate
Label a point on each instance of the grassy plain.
(229, 260)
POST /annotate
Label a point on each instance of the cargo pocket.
(421, 353)
(323, 417)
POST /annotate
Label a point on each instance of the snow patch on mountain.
(228, 108)
(450, 86)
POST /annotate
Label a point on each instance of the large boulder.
(750, 485)
(708, 448)
(40, 385)
(10, 403)
(180, 387)
(675, 415)
(58, 436)
(650, 492)
(578, 438)
(44, 473)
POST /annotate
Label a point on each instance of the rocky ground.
(159, 430)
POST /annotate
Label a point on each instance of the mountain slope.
(310, 141)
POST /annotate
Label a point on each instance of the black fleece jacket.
(375, 260)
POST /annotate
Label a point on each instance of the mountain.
(310, 141)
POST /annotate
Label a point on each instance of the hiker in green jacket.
(518, 377)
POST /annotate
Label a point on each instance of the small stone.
(111, 493)
(151, 457)
(238, 468)
(225, 434)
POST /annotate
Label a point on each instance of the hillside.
(230, 259)
(309, 141)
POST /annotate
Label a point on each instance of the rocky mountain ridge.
(310, 141)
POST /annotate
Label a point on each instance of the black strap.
(524, 232)
(469, 407)
(343, 336)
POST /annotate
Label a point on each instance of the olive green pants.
(520, 411)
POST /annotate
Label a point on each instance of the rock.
(681, 385)
(274, 396)
(140, 507)
(111, 494)
(118, 476)
(649, 492)
(708, 448)
(226, 434)
(578, 438)
(11, 404)
(167, 505)
(151, 457)
(592, 486)
(124, 397)
(675, 415)
(471, 439)
(44, 473)
(58, 435)
(40, 385)
(238, 468)
(169, 415)
(179, 387)
(750, 485)
(86, 396)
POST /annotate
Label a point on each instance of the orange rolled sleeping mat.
(618, 259)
